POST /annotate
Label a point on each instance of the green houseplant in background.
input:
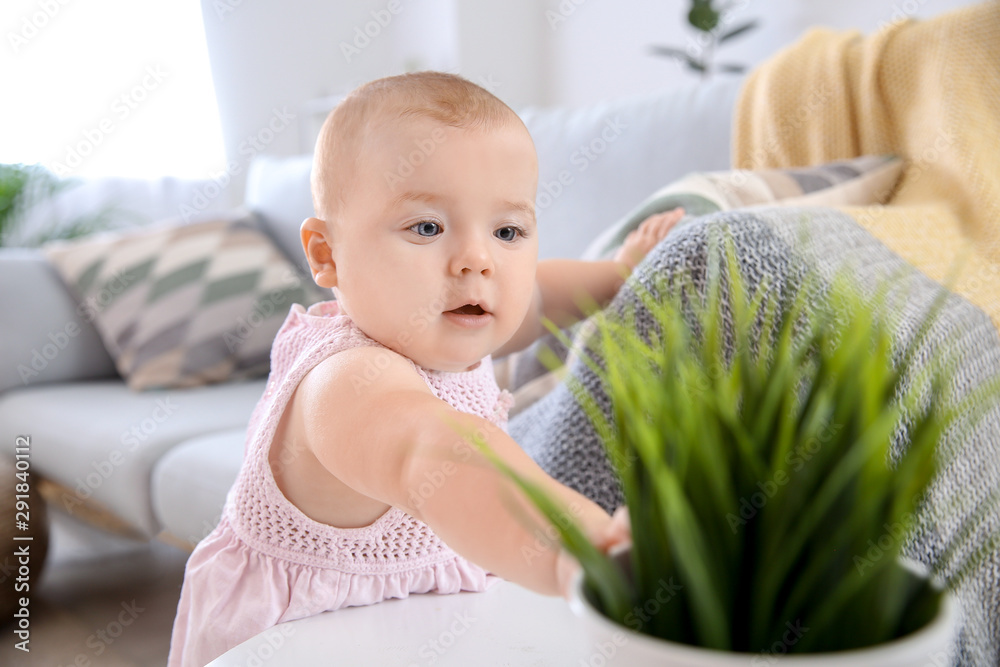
(710, 20)
(25, 187)
(767, 503)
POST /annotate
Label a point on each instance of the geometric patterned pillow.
(183, 305)
(862, 181)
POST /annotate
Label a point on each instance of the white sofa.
(160, 463)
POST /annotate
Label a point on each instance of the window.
(108, 87)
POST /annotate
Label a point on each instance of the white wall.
(600, 50)
(300, 57)
(269, 59)
(273, 60)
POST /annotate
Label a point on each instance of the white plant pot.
(615, 644)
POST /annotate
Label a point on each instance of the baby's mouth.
(468, 309)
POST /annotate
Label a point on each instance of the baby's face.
(436, 245)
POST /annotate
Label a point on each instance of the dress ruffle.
(277, 590)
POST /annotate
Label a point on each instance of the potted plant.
(753, 438)
(23, 188)
(711, 20)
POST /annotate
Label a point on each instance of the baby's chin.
(436, 360)
(449, 365)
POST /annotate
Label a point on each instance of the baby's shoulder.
(361, 373)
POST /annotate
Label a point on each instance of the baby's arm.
(392, 440)
(563, 283)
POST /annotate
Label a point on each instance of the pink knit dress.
(267, 562)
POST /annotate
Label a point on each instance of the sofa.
(158, 463)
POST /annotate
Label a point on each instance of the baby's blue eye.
(427, 228)
(507, 233)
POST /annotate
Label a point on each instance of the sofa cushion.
(861, 181)
(191, 481)
(278, 191)
(101, 440)
(46, 336)
(183, 305)
(596, 162)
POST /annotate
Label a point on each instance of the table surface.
(505, 626)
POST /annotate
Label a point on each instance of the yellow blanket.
(928, 91)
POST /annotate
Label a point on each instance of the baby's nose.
(473, 258)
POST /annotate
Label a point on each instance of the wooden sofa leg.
(87, 510)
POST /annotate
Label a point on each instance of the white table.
(506, 626)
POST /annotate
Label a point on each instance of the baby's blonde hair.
(446, 98)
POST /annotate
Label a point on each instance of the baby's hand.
(618, 531)
(650, 232)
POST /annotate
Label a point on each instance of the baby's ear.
(316, 243)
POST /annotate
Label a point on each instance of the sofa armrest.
(44, 337)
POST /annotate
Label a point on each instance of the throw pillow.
(184, 305)
(863, 181)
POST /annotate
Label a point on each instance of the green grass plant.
(753, 433)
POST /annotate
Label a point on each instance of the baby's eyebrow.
(521, 207)
(411, 195)
(527, 208)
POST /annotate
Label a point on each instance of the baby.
(361, 481)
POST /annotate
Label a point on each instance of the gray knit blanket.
(781, 245)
